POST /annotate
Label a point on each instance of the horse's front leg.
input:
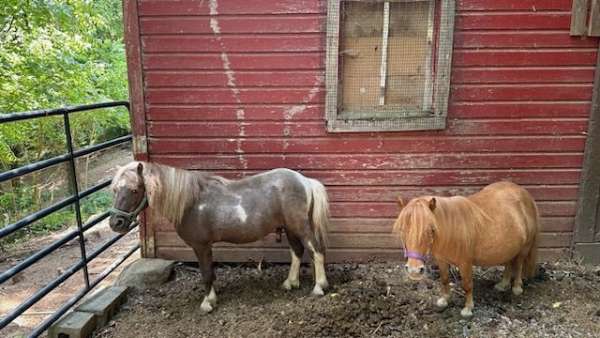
(466, 274)
(442, 302)
(204, 255)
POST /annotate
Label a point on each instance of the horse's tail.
(530, 263)
(319, 212)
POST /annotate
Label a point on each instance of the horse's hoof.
(466, 312)
(289, 284)
(517, 290)
(318, 291)
(206, 307)
(442, 303)
(502, 286)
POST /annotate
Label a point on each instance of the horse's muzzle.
(415, 273)
(118, 224)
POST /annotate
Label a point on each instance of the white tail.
(320, 211)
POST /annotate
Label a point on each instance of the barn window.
(388, 64)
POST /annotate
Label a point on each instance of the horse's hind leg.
(504, 284)
(517, 288)
(319, 265)
(204, 255)
(296, 251)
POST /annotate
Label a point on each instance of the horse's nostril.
(120, 222)
(406, 267)
(422, 270)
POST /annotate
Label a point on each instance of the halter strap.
(414, 255)
(133, 214)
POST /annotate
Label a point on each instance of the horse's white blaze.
(241, 213)
(122, 183)
(293, 280)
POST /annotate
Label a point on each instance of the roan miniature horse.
(498, 225)
(205, 209)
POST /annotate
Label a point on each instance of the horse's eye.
(134, 191)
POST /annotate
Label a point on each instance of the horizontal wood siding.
(242, 90)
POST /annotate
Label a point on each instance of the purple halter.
(415, 255)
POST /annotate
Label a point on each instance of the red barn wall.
(237, 87)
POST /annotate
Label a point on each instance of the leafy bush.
(56, 53)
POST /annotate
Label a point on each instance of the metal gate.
(69, 157)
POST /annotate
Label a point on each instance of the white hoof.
(206, 306)
(318, 291)
(517, 290)
(212, 297)
(466, 312)
(290, 284)
(442, 303)
(502, 286)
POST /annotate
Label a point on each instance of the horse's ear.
(432, 202)
(400, 202)
(140, 168)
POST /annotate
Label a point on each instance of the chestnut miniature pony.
(205, 209)
(498, 225)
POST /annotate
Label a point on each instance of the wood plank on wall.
(229, 7)
(399, 145)
(377, 225)
(511, 5)
(348, 241)
(228, 25)
(342, 255)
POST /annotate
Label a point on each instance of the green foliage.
(56, 53)
(18, 205)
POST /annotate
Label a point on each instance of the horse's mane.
(458, 223)
(171, 191)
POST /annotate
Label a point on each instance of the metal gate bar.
(74, 198)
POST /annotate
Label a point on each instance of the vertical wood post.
(133, 51)
(586, 239)
(579, 12)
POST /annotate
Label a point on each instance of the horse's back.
(503, 192)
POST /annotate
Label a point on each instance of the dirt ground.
(365, 300)
(23, 285)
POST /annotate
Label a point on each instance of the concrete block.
(73, 325)
(104, 304)
(146, 273)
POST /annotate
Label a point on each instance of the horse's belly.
(498, 252)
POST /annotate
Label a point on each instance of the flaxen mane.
(453, 226)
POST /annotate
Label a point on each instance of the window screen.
(385, 57)
(388, 64)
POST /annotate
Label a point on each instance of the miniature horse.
(498, 225)
(206, 209)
